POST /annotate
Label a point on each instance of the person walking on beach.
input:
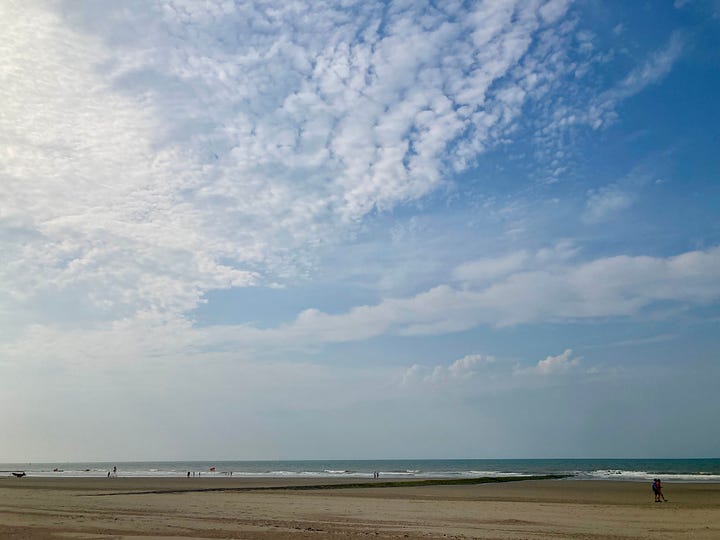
(657, 490)
(658, 485)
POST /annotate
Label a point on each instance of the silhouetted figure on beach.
(188, 474)
(115, 471)
(657, 490)
(660, 491)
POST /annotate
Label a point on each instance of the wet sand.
(179, 508)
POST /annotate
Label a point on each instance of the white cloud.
(153, 155)
(562, 251)
(602, 111)
(572, 102)
(155, 152)
(465, 366)
(458, 371)
(655, 68)
(473, 367)
(605, 202)
(559, 291)
(621, 286)
(411, 375)
(551, 365)
(491, 268)
(91, 208)
(553, 10)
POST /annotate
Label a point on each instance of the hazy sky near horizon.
(359, 229)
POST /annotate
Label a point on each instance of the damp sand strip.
(352, 485)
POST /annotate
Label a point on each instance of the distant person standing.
(115, 471)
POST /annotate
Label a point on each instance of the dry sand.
(36, 508)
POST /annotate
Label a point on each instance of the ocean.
(639, 470)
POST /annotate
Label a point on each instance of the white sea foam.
(638, 476)
(498, 474)
(620, 470)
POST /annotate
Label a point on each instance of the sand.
(61, 508)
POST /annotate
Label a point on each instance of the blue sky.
(359, 230)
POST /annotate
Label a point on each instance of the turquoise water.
(685, 470)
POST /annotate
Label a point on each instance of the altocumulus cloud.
(154, 152)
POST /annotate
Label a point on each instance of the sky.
(359, 229)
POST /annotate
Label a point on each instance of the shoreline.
(616, 469)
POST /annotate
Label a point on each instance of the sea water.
(669, 470)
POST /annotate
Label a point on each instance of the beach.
(205, 508)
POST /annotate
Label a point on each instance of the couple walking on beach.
(657, 490)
